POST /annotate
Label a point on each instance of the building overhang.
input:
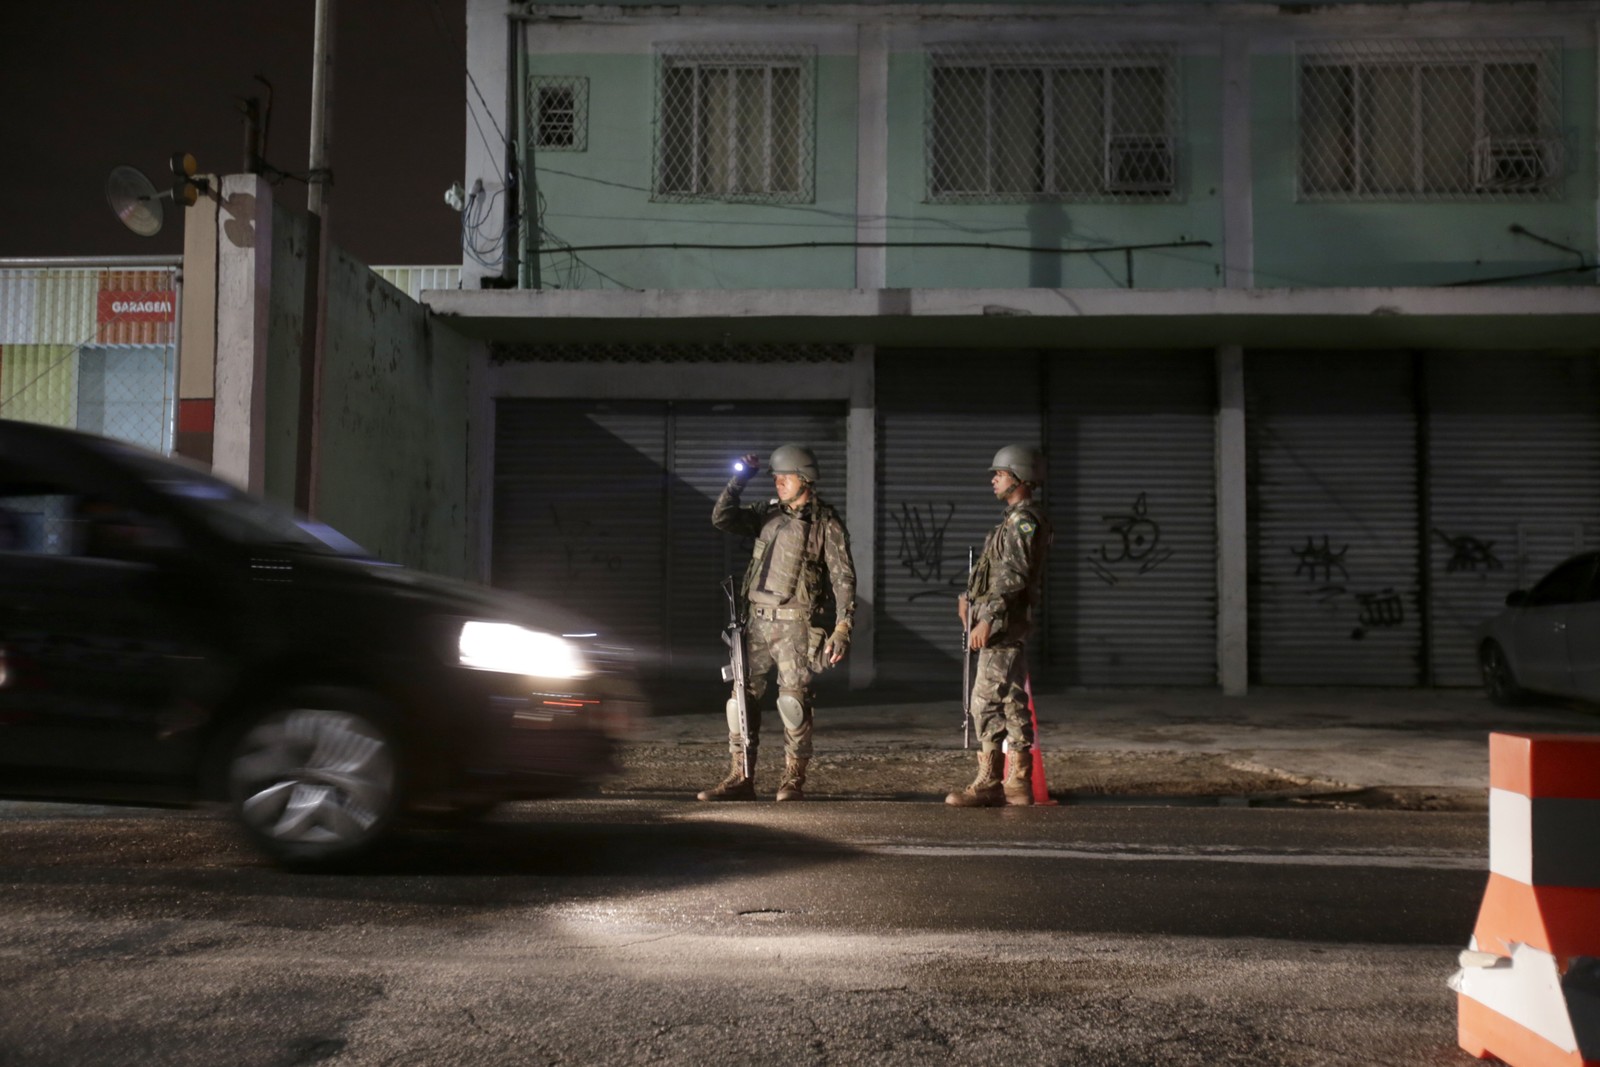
(1480, 317)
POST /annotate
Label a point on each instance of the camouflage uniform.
(800, 556)
(1004, 590)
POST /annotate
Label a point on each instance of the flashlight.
(738, 466)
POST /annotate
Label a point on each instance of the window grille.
(1430, 120)
(1047, 124)
(558, 113)
(734, 123)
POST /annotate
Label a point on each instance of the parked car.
(167, 637)
(1547, 640)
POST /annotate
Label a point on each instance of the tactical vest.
(978, 583)
(785, 565)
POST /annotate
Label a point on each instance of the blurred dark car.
(165, 637)
(1547, 640)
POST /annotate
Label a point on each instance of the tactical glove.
(838, 644)
(748, 465)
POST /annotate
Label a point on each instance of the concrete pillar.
(197, 344)
(861, 503)
(872, 153)
(1238, 229)
(1233, 598)
(243, 305)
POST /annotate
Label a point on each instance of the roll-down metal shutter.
(1334, 518)
(942, 417)
(579, 509)
(1132, 494)
(1514, 472)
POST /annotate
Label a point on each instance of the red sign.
(136, 306)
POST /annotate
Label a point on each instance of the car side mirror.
(1515, 598)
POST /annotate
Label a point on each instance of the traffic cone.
(1528, 991)
(1041, 792)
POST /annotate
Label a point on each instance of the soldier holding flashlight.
(801, 560)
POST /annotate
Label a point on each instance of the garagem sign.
(136, 307)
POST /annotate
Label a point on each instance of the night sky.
(86, 85)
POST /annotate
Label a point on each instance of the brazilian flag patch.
(1025, 526)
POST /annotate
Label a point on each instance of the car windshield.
(230, 511)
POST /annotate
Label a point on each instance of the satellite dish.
(135, 201)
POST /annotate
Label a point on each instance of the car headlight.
(512, 649)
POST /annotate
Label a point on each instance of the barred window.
(1037, 125)
(733, 124)
(558, 113)
(1429, 120)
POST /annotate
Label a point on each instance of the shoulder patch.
(1025, 526)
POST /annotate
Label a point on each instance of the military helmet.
(1026, 463)
(793, 459)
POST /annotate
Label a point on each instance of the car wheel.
(1498, 679)
(316, 780)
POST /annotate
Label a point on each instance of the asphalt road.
(657, 931)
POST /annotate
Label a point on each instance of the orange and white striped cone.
(1041, 791)
(1528, 991)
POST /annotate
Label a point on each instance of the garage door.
(1334, 518)
(1514, 468)
(1132, 474)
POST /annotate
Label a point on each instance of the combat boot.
(794, 779)
(734, 787)
(1019, 783)
(986, 790)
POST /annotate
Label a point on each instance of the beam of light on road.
(1440, 861)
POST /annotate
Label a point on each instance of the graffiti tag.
(1379, 611)
(1469, 554)
(1135, 540)
(921, 550)
(1314, 558)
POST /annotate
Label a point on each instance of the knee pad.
(791, 707)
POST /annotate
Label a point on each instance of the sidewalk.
(1415, 748)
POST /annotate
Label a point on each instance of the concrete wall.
(393, 450)
(391, 453)
(600, 196)
(1238, 81)
(1302, 244)
(287, 323)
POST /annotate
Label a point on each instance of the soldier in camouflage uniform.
(802, 553)
(1002, 595)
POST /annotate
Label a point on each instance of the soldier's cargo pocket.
(816, 641)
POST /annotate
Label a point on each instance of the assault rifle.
(736, 670)
(966, 661)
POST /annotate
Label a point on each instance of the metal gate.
(1132, 578)
(1514, 477)
(1334, 518)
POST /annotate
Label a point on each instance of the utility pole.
(319, 180)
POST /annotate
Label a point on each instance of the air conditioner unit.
(1138, 163)
(1515, 164)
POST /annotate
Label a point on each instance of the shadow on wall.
(606, 508)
